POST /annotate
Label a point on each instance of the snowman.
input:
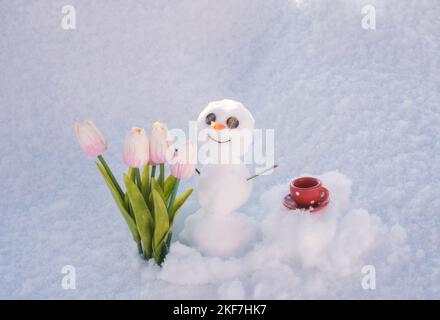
(225, 132)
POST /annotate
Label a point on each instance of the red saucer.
(290, 204)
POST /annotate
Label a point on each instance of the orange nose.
(217, 126)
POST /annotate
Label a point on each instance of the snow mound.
(220, 235)
(298, 255)
(337, 240)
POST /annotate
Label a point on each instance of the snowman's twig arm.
(260, 173)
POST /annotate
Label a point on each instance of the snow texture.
(362, 102)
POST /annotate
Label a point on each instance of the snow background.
(340, 98)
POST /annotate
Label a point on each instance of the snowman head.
(225, 130)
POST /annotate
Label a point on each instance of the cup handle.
(324, 194)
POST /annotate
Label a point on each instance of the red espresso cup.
(308, 192)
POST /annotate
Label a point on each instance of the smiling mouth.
(218, 141)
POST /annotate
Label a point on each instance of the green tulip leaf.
(128, 207)
(144, 219)
(121, 205)
(131, 174)
(168, 187)
(155, 186)
(165, 248)
(161, 223)
(178, 203)
(168, 240)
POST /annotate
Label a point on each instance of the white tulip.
(160, 151)
(136, 148)
(90, 139)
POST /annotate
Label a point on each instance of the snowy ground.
(359, 108)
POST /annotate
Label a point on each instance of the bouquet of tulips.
(149, 204)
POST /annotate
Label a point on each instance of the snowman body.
(218, 229)
(223, 188)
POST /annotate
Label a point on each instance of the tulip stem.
(146, 181)
(172, 198)
(110, 173)
(161, 175)
(137, 176)
(153, 171)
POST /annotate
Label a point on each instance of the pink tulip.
(160, 151)
(184, 161)
(90, 139)
(136, 150)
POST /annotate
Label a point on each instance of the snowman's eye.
(232, 122)
(210, 118)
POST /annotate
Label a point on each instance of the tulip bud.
(136, 149)
(160, 151)
(90, 139)
(184, 161)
